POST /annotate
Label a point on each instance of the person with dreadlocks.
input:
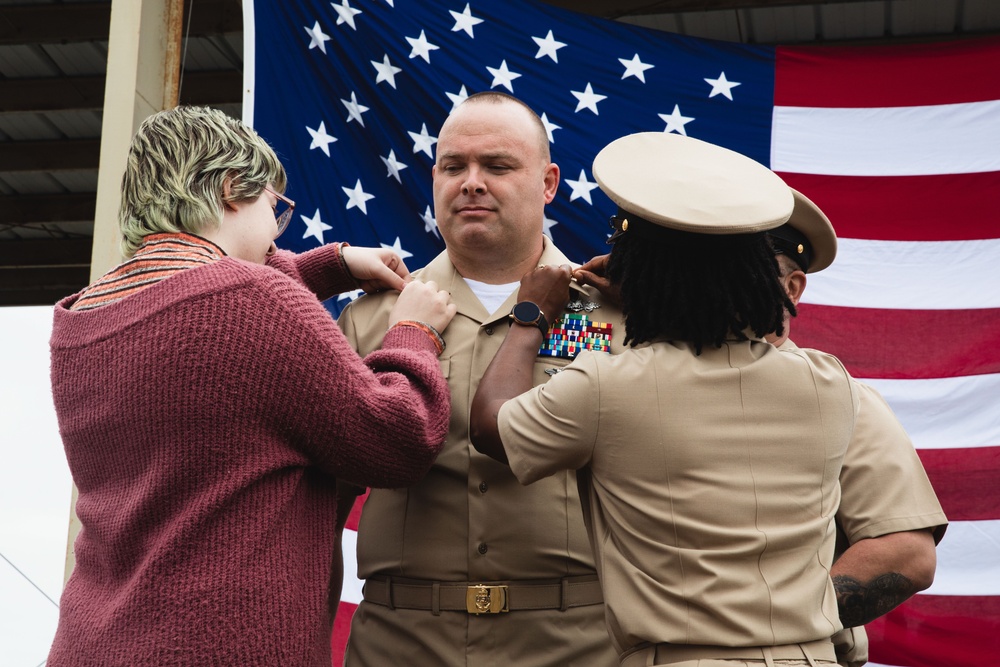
(708, 459)
(889, 520)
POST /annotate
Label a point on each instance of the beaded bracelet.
(426, 328)
(343, 262)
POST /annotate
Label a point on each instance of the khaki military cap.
(808, 236)
(690, 185)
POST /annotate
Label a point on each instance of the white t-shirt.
(492, 296)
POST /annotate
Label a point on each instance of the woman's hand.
(548, 288)
(424, 302)
(375, 269)
(595, 273)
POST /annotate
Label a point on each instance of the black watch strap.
(528, 314)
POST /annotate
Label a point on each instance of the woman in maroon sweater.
(207, 403)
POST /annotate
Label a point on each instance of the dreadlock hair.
(699, 288)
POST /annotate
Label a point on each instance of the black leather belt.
(491, 597)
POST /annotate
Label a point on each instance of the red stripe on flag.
(341, 629)
(954, 207)
(938, 630)
(887, 76)
(965, 481)
(869, 341)
(355, 516)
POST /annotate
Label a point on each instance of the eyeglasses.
(285, 216)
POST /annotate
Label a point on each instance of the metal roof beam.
(39, 209)
(66, 22)
(87, 92)
(46, 253)
(619, 8)
(50, 156)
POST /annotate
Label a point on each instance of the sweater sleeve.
(375, 422)
(320, 270)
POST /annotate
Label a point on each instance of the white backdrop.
(35, 489)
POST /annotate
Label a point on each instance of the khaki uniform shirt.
(470, 520)
(714, 484)
(884, 489)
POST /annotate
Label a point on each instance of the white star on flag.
(457, 98)
(346, 13)
(398, 248)
(430, 224)
(581, 187)
(315, 227)
(503, 76)
(423, 141)
(464, 21)
(320, 139)
(588, 99)
(317, 38)
(635, 67)
(421, 47)
(547, 46)
(393, 165)
(675, 121)
(549, 127)
(354, 110)
(356, 196)
(351, 296)
(721, 86)
(547, 225)
(386, 71)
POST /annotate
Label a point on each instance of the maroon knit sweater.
(205, 420)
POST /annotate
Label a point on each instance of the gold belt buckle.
(486, 599)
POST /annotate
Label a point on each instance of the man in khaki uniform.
(424, 551)
(889, 513)
(714, 458)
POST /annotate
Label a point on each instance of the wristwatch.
(528, 314)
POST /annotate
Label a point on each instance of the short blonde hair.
(178, 164)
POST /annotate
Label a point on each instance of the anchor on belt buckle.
(486, 599)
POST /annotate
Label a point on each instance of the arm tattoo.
(860, 603)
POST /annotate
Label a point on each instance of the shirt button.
(483, 548)
(483, 487)
(489, 331)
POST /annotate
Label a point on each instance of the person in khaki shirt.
(889, 513)
(423, 551)
(713, 458)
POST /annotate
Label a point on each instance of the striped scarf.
(160, 256)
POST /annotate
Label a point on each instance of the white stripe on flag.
(968, 560)
(890, 141)
(946, 413)
(352, 585)
(912, 275)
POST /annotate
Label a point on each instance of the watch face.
(526, 312)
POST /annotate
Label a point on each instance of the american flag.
(900, 145)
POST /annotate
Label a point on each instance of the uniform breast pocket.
(546, 367)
